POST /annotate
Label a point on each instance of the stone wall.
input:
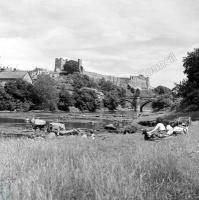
(140, 82)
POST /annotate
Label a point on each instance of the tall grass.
(120, 167)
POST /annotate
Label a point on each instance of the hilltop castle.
(141, 82)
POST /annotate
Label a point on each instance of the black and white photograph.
(99, 100)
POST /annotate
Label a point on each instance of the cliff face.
(139, 82)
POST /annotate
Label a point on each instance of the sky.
(112, 37)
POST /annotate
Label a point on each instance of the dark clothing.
(38, 126)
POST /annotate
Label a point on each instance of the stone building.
(59, 63)
(6, 76)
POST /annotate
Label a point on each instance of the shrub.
(130, 129)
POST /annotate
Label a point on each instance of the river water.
(84, 120)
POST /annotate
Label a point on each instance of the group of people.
(55, 127)
(50, 127)
(164, 129)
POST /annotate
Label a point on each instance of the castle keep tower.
(81, 69)
(59, 63)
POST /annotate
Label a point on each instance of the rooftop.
(12, 74)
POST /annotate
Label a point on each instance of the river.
(71, 120)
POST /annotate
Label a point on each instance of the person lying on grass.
(159, 129)
(180, 129)
(169, 128)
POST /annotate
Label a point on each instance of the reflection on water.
(11, 120)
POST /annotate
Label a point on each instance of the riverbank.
(117, 167)
(18, 123)
(74, 120)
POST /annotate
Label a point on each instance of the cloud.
(111, 37)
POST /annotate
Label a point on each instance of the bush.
(130, 129)
(73, 109)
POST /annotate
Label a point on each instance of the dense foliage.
(113, 95)
(71, 90)
(86, 99)
(46, 91)
(161, 90)
(188, 89)
(65, 99)
(18, 95)
(71, 66)
(164, 100)
(80, 81)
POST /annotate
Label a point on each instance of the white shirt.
(177, 128)
(169, 130)
(38, 122)
(158, 127)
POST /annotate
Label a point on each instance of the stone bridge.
(139, 102)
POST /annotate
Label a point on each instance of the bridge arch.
(145, 103)
(131, 102)
(139, 102)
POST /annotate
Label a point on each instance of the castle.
(59, 64)
(137, 82)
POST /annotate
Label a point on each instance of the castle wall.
(140, 82)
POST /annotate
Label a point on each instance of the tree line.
(72, 90)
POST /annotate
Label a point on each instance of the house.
(6, 76)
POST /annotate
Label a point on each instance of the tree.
(137, 92)
(6, 100)
(162, 90)
(71, 66)
(87, 99)
(162, 102)
(121, 93)
(132, 90)
(46, 91)
(111, 100)
(80, 81)
(65, 99)
(191, 65)
(114, 95)
(106, 85)
(22, 95)
(188, 89)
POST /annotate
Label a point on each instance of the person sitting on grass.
(158, 131)
(169, 128)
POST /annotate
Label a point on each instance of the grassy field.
(120, 167)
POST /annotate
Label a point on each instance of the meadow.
(119, 167)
